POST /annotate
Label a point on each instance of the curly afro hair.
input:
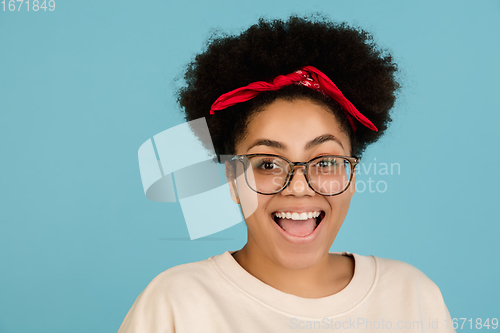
(348, 56)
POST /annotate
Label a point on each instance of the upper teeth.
(297, 216)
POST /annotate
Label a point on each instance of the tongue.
(297, 227)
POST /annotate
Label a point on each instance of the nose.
(298, 184)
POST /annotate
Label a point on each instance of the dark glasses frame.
(353, 161)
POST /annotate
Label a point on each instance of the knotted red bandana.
(308, 76)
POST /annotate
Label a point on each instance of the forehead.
(295, 124)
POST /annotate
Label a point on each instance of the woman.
(295, 103)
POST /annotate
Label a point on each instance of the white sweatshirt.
(217, 295)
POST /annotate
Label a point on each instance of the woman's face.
(298, 130)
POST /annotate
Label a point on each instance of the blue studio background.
(83, 86)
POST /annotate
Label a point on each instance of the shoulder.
(399, 269)
(167, 294)
(182, 277)
(404, 277)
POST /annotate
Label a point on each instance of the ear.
(231, 180)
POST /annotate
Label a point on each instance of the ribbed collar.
(358, 289)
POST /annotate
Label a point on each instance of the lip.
(299, 239)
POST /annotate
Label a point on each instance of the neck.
(328, 276)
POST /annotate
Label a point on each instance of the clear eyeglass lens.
(268, 174)
(329, 175)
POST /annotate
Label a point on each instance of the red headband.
(308, 76)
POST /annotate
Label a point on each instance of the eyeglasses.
(270, 174)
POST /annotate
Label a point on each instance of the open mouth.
(298, 227)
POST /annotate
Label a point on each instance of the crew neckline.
(358, 289)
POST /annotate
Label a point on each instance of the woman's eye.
(268, 165)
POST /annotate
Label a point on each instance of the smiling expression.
(298, 130)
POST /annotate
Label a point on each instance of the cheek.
(340, 205)
(250, 200)
(253, 205)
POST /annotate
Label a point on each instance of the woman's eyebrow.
(322, 138)
(313, 143)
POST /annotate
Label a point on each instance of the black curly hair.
(348, 56)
